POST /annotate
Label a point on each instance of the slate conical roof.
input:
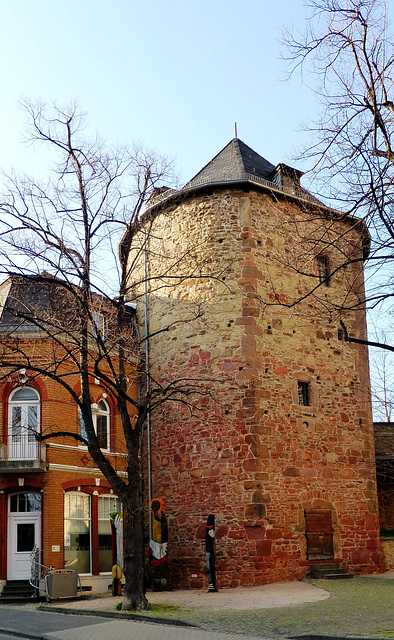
(232, 163)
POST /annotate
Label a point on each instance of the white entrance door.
(24, 532)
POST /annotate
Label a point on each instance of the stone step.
(329, 571)
(16, 591)
(324, 572)
(324, 565)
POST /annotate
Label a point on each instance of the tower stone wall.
(223, 265)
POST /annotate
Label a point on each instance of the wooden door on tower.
(319, 534)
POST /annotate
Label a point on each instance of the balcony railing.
(22, 453)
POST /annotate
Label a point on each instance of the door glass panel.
(16, 424)
(25, 536)
(33, 502)
(32, 422)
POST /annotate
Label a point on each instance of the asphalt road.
(40, 625)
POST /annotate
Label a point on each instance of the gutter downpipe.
(147, 378)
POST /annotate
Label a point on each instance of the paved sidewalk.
(279, 594)
(119, 630)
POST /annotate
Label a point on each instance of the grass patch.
(161, 609)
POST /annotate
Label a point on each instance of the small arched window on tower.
(323, 270)
(304, 393)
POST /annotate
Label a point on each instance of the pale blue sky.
(174, 75)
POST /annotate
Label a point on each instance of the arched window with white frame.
(23, 423)
(101, 423)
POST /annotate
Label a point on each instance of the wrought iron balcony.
(23, 453)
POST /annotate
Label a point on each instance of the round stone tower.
(267, 423)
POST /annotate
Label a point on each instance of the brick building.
(280, 446)
(51, 493)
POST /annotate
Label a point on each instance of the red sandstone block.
(309, 472)
(360, 556)
(280, 371)
(264, 548)
(237, 533)
(370, 522)
(347, 473)
(274, 534)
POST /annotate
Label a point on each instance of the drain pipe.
(147, 378)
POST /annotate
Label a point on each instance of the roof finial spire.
(235, 130)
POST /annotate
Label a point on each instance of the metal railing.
(37, 570)
(23, 447)
(250, 177)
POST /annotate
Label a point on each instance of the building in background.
(51, 493)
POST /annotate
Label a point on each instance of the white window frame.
(106, 518)
(84, 518)
(96, 412)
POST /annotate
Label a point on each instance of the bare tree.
(382, 377)
(348, 52)
(62, 238)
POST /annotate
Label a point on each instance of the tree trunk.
(134, 553)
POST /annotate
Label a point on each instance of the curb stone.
(140, 617)
(21, 634)
(328, 637)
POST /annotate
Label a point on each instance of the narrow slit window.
(323, 270)
(304, 393)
